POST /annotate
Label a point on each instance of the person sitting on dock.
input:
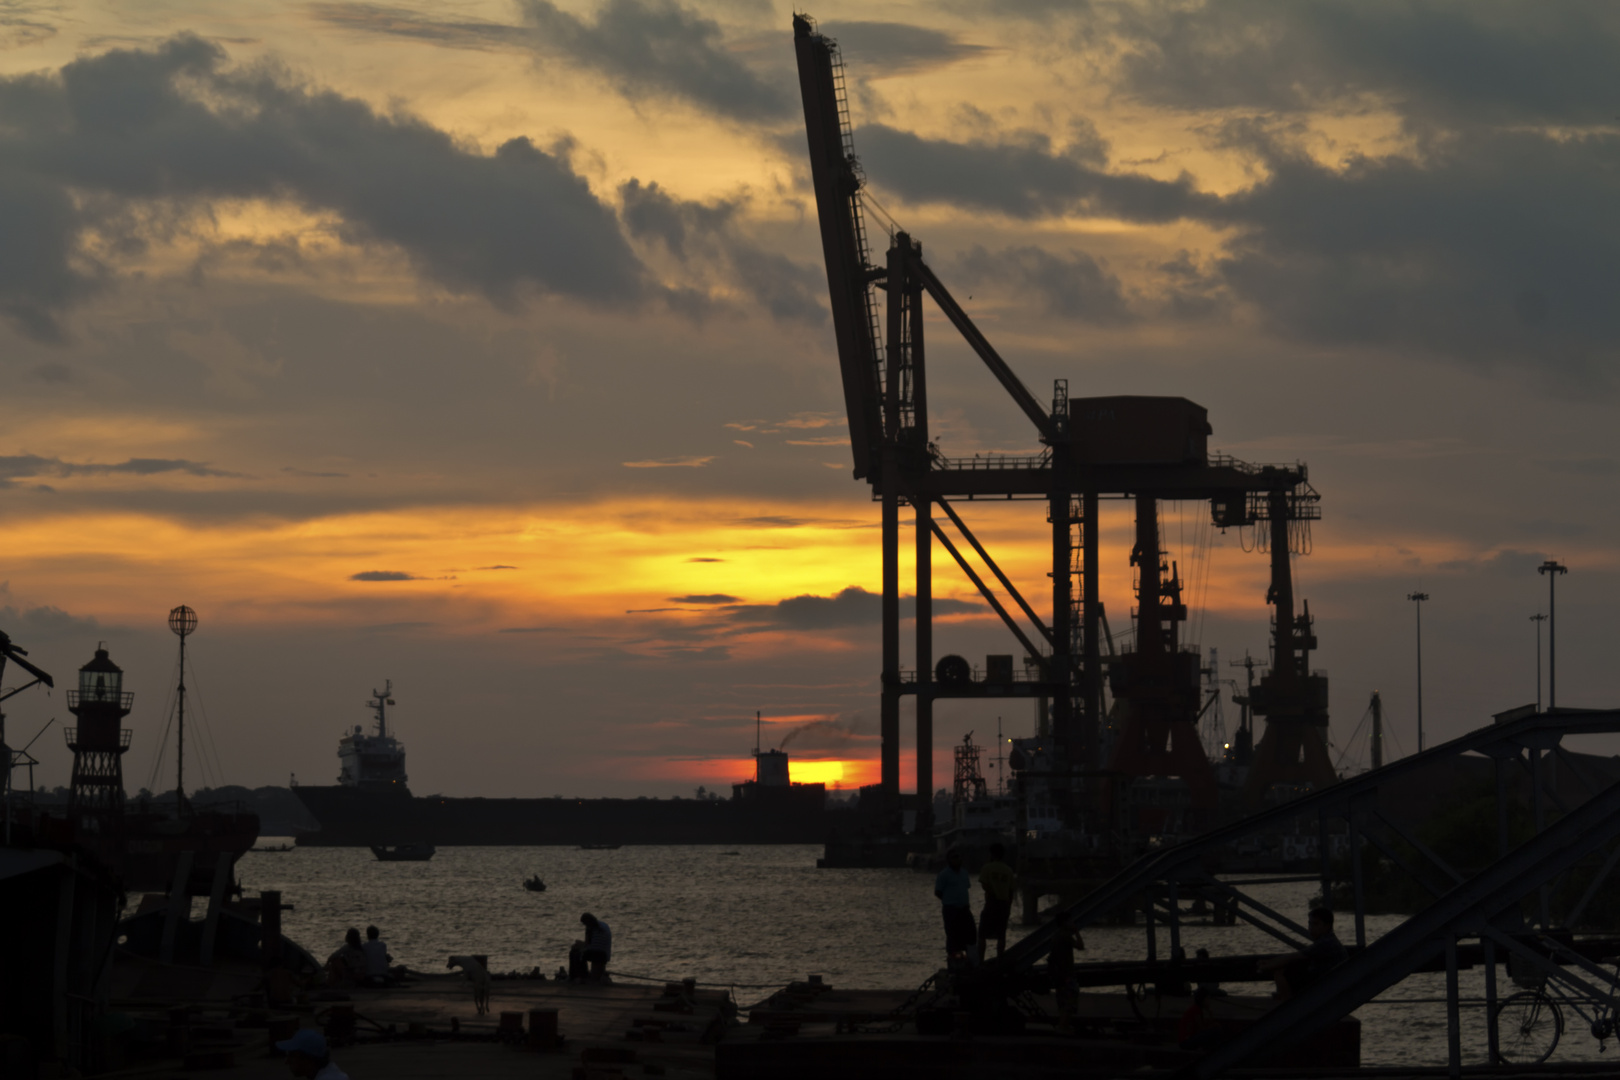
(1297, 971)
(954, 888)
(377, 958)
(308, 1056)
(347, 966)
(1000, 883)
(598, 948)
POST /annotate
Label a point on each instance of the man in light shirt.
(377, 958)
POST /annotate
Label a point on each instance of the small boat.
(534, 884)
(599, 847)
(402, 852)
(272, 850)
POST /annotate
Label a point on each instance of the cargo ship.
(372, 805)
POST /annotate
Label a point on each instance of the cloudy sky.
(483, 346)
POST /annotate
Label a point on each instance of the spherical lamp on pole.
(183, 621)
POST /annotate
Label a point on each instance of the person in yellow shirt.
(1000, 883)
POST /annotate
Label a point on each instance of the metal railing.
(71, 735)
(124, 700)
(991, 462)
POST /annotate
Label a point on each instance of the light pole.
(1418, 598)
(1538, 620)
(1552, 570)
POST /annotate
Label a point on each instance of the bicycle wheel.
(1528, 1025)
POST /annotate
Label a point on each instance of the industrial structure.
(1143, 449)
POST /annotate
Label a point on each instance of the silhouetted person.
(377, 958)
(954, 889)
(1209, 986)
(1297, 971)
(1060, 966)
(347, 966)
(1198, 1029)
(1000, 884)
(598, 948)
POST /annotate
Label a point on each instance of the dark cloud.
(392, 21)
(704, 598)
(383, 575)
(497, 566)
(1073, 286)
(704, 237)
(307, 474)
(648, 50)
(1454, 61)
(114, 151)
(1489, 247)
(25, 465)
(27, 625)
(1020, 174)
(880, 49)
(703, 558)
(853, 606)
(657, 49)
(23, 23)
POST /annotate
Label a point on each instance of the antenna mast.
(182, 620)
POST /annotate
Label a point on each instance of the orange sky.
(550, 431)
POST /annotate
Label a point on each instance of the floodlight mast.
(183, 621)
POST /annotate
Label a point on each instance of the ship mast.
(380, 702)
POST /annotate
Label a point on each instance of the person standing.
(1000, 884)
(598, 944)
(954, 889)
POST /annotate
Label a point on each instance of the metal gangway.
(1486, 907)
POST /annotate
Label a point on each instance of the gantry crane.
(1144, 448)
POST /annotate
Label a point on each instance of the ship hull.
(352, 818)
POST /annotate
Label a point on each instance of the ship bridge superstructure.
(374, 762)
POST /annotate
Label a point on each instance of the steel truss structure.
(1487, 907)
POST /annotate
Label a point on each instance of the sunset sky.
(483, 346)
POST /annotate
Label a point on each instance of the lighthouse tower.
(98, 745)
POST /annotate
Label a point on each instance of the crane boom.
(850, 275)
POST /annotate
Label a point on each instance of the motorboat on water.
(402, 852)
(534, 884)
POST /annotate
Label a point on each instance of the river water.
(755, 918)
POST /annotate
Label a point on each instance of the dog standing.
(478, 976)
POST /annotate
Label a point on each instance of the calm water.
(749, 917)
